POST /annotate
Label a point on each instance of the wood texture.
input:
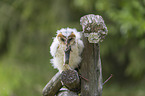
(71, 80)
(91, 70)
(94, 30)
(67, 93)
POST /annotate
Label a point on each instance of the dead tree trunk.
(95, 29)
(91, 69)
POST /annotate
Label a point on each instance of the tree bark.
(95, 30)
(67, 93)
(91, 70)
(71, 80)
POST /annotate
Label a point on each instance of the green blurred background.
(27, 28)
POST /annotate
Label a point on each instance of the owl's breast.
(75, 59)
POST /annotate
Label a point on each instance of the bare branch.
(108, 79)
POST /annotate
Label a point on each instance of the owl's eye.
(62, 39)
(70, 39)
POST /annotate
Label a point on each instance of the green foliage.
(27, 28)
(10, 77)
(115, 89)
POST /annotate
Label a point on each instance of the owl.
(66, 49)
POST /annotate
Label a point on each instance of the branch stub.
(71, 80)
(94, 28)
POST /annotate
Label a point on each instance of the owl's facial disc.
(70, 39)
(67, 41)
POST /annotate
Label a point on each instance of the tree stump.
(95, 30)
(71, 80)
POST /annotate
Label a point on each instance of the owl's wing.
(54, 47)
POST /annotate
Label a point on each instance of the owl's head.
(67, 36)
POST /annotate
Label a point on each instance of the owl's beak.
(67, 54)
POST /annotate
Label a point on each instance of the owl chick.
(66, 47)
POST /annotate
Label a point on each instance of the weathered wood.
(91, 69)
(95, 29)
(67, 93)
(53, 85)
(71, 80)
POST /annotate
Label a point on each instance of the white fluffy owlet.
(66, 49)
